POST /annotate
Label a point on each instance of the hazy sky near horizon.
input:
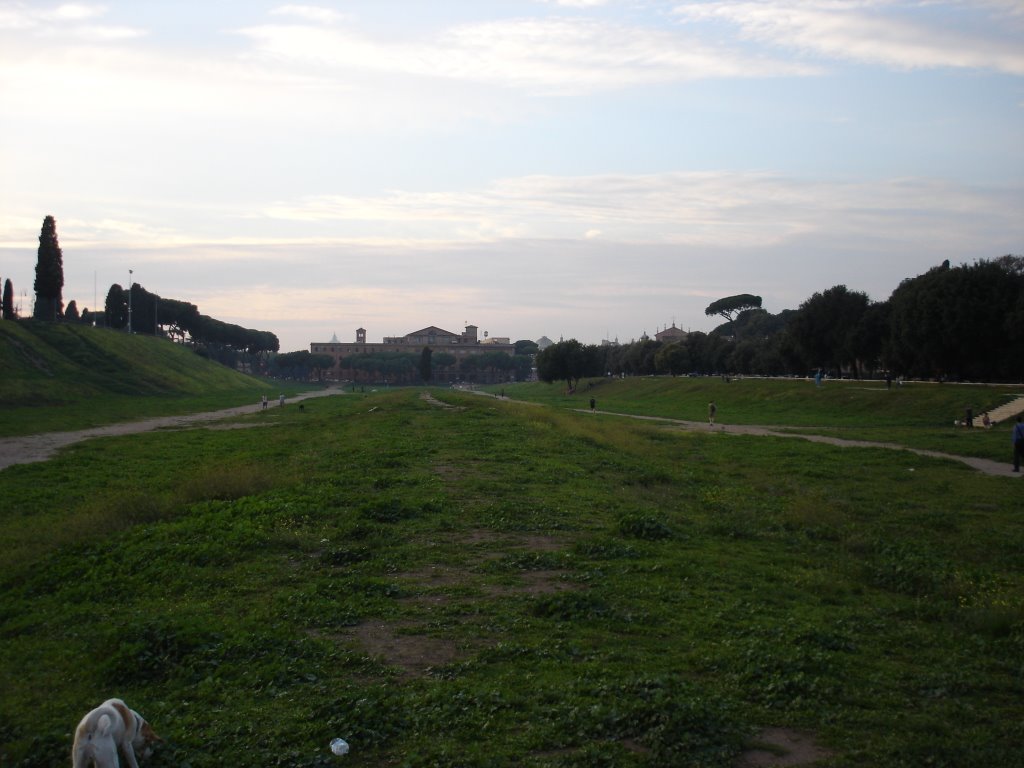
(572, 168)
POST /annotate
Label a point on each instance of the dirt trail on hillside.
(987, 466)
(31, 448)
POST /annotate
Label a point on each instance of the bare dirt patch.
(413, 654)
(402, 645)
(429, 398)
(546, 582)
(782, 747)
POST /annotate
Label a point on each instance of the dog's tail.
(104, 725)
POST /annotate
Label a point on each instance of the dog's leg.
(129, 754)
(105, 754)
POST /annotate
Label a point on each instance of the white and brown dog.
(106, 729)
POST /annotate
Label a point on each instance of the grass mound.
(66, 376)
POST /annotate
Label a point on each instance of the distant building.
(671, 334)
(544, 342)
(459, 345)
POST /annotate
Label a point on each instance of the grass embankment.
(918, 415)
(60, 376)
(499, 584)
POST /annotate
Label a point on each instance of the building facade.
(460, 346)
(668, 335)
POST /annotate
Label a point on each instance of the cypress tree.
(49, 283)
(9, 313)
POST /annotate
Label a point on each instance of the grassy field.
(62, 376)
(918, 414)
(475, 582)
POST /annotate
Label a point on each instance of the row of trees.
(405, 367)
(49, 283)
(428, 365)
(151, 313)
(961, 323)
(139, 310)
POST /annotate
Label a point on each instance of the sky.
(588, 169)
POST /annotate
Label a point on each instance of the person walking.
(1018, 444)
(593, 405)
(712, 410)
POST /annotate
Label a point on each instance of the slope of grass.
(918, 415)
(59, 376)
(496, 584)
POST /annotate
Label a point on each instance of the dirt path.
(987, 466)
(31, 448)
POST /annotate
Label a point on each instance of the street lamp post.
(129, 301)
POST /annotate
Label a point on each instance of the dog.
(109, 727)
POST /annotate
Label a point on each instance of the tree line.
(138, 310)
(958, 323)
(409, 367)
(951, 323)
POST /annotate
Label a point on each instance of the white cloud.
(735, 212)
(719, 209)
(73, 12)
(312, 13)
(553, 55)
(579, 3)
(73, 20)
(901, 35)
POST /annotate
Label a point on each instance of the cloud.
(899, 35)
(546, 55)
(579, 3)
(312, 13)
(70, 20)
(716, 209)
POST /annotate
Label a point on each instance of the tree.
(673, 358)
(176, 317)
(523, 366)
(569, 361)
(425, 372)
(321, 363)
(71, 313)
(116, 307)
(961, 322)
(731, 305)
(49, 283)
(9, 312)
(869, 338)
(441, 360)
(526, 347)
(825, 325)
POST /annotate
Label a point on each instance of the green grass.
(498, 584)
(918, 415)
(61, 377)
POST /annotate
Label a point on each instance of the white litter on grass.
(339, 746)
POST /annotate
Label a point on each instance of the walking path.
(31, 448)
(987, 466)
